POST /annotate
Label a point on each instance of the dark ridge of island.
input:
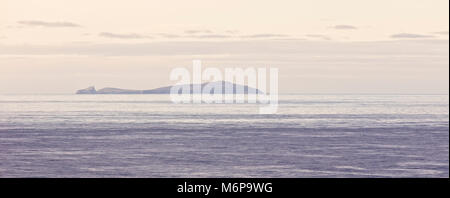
(166, 90)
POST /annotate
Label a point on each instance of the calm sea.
(148, 136)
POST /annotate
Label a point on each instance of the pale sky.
(319, 46)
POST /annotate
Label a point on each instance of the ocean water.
(148, 136)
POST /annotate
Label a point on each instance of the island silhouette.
(224, 85)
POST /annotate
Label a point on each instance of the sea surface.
(148, 136)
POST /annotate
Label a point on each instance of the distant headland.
(237, 89)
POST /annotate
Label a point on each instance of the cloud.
(320, 36)
(202, 34)
(344, 27)
(198, 32)
(441, 33)
(265, 36)
(123, 36)
(48, 24)
(238, 47)
(408, 35)
(210, 36)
